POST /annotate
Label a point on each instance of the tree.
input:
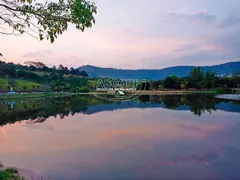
(84, 89)
(66, 70)
(12, 82)
(156, 84)
(60, 67)
(35, 64)
(143, 86)
(45, 69)
(210, 80)
(197, 74)
(184, 84)
(171, 82)
(32, 68)
(9, 173)
(83, 73)
(196, 78)
(24, 87)
(45, 20)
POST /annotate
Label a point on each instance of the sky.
(136, 34)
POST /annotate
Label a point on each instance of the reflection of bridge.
(11, 104)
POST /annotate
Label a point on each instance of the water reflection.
(39, 110)
(154, 137)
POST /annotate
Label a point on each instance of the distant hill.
(154, 74)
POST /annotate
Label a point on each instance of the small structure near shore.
(11, 92)
(120, 93)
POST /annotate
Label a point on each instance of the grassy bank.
(43, 95)
(165, 92)
(19, 85)
(32, 95)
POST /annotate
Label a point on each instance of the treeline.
(12, 70)
(197, 79)
(51, 79)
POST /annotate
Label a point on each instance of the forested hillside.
(156, 74)
(36, 76)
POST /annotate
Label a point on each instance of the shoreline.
(44, 95)
(173, 92)
(28, 96)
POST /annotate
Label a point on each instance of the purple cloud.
(202, 16)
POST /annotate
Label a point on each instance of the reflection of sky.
(136, 143)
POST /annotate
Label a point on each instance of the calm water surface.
(157, 137)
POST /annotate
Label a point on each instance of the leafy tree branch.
(45, 20)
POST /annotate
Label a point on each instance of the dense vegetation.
(198, 79)
(9, 174)
(36, 76)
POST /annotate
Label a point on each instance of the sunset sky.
(141, 34)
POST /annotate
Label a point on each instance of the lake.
(153, 137)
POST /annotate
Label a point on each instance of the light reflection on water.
(146, 142)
